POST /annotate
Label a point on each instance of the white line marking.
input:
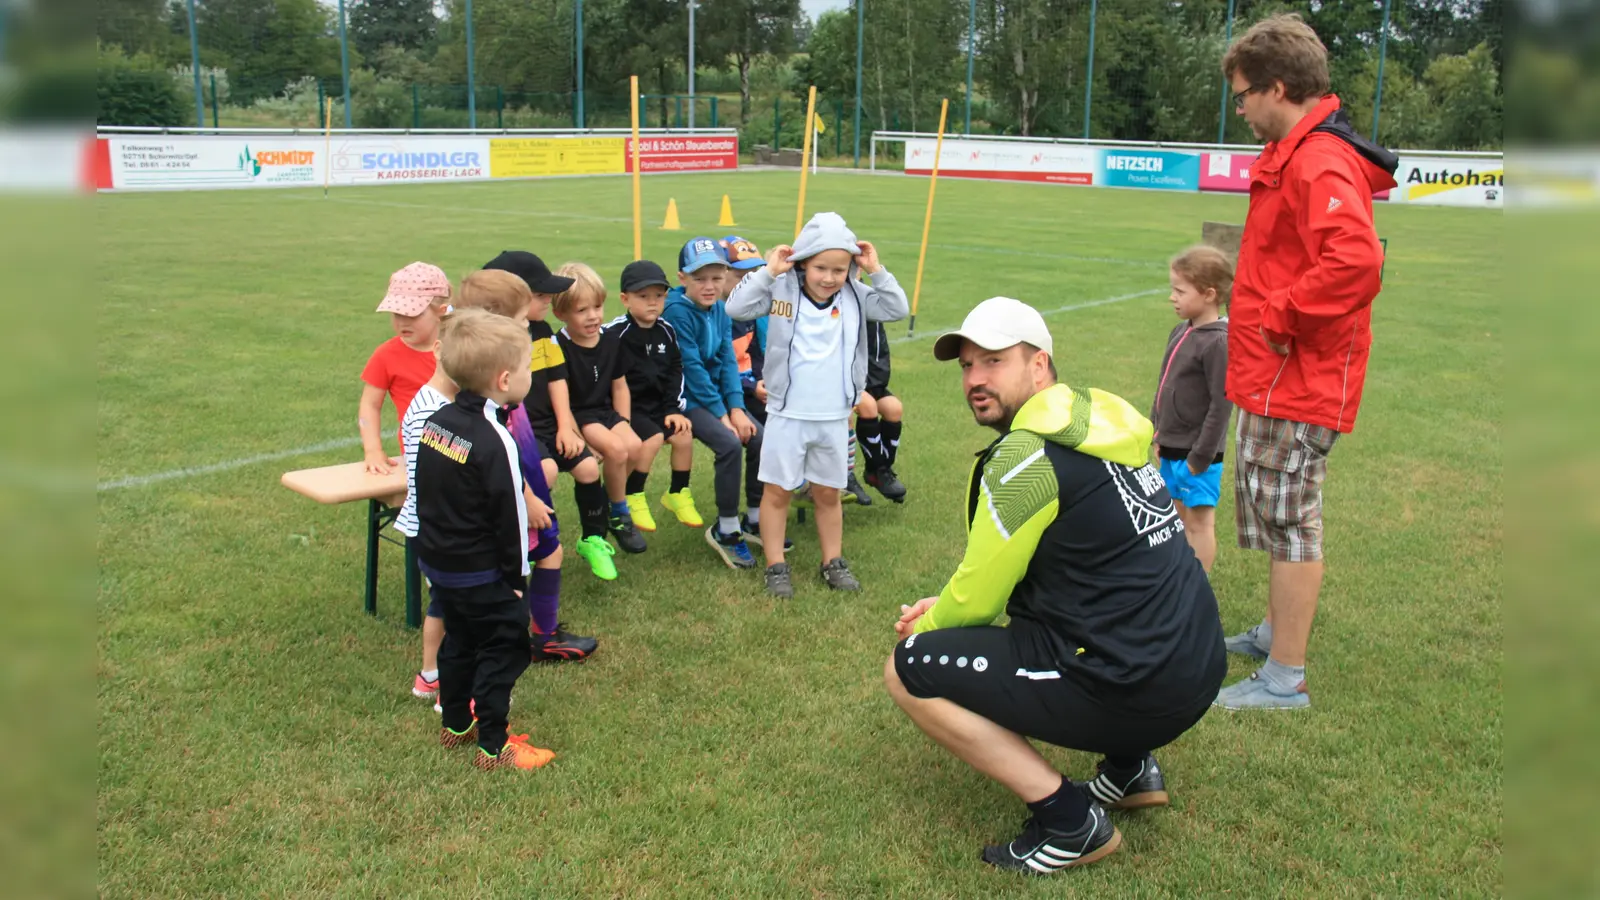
(195, 471)
(137, 481)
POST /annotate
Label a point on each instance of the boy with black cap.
(655, 380)
(550, 412)
(713, 397)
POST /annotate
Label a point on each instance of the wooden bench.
(384, 494)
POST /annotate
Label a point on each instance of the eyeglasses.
(1238, 99)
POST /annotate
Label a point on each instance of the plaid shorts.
(1277, 486)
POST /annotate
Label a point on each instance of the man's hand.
(677, 424)
(778, 260)
(1280, 349)
(569, 442)
(761, 390)
(867, 259)
(910, 614)
(1194, 471)
(1156, 449)
(741, 425)
(380, 463)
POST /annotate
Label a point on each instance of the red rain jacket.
(1308, 270)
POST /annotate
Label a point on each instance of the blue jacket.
(705, 338)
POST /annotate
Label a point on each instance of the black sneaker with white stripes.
(1134, 789)
(1040, 850)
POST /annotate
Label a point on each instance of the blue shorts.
(1188, 488)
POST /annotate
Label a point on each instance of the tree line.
(1155, 69)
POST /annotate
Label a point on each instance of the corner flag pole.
(638, 223)
(805, 154)
(927, 220)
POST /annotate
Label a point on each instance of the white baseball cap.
(997, 324)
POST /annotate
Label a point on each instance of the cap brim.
(695, 267)
(948, 346)
(747, 264)
(405, 306)
(554, 284)
(648, 282)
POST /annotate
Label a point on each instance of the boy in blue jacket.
(713, 395)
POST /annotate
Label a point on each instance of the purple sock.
(544, 599)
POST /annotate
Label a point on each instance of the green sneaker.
(597, 551)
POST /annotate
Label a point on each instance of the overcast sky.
(816, 8)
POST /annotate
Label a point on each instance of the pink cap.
(414, 288)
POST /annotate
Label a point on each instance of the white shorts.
(794, 451)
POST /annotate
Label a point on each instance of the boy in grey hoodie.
(815, 369)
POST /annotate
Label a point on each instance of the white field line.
(187, 472)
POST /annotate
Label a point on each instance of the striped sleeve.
(427, 402)
(1018, 497)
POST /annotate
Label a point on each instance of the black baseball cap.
(641, 273)
(531, 269)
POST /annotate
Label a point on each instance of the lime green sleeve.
(1017, 500)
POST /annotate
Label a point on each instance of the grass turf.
(255, 731)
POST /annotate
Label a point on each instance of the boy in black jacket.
(472, 536)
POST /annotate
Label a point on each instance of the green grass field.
(256, 734)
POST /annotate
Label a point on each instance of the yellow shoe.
(681, 504)
(639, 508)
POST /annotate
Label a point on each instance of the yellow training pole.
(327, 150)
(927, 220)
(805, 154)
(638, 223)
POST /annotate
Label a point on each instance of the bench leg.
(374, 508)
(413, 588)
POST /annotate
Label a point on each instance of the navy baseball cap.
(741, 254)
(640, 274)
(698, 253)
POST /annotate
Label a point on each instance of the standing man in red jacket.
(1299, 330)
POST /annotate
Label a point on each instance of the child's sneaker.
(778, 582)
(422, 687)
(731, 547)
(639, 508)
(450, 740)
(628, 537)
(517, 753)
(561, 646)
(681, 504)
(752, 533)
(854, 491)
(837, 574)
(597, 552)
(888, 484)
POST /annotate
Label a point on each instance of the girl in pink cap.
(418, 295)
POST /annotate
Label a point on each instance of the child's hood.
(825, 231)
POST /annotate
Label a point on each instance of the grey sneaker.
(778, 583)
(837, 574)
(1248, 643)
(853, 491)
(1257, 692)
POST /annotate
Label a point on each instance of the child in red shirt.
(418, 295)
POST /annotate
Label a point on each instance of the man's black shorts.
(547, 449)
(879, 391)
(990, 671)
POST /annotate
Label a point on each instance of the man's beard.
(1000, 413)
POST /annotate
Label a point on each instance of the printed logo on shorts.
(979, 664)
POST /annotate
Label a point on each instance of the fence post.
(577, 110)
(1088, 81)
(1222, 114)
(472, 75)
(713, 110)
(416, 105)
(777, 120)
(194, 62)
(322, 111)
(677, 111)
(216, 121)
(499, 107)
(1383, 51)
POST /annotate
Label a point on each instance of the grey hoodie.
(759, 294)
